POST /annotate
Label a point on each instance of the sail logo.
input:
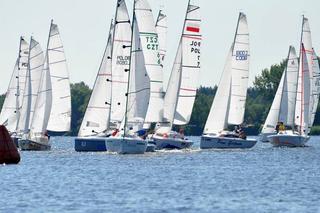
(195, 28)
(123, 60)
(152, 42)
(241, 55)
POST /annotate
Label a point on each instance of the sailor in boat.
(277, 127)
(282, 127)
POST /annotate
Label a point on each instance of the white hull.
(171, 143)
(215, 142)
(126, 145)
(263, 137)
(35, 144)
(288, 140)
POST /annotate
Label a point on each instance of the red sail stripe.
(193, 29)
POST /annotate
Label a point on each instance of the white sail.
(302, 110)
(43, 103)
(162, 30)
(96, 118)
(273, 115)
(240, 72)
(33, 77)
(120, 62)
(60, 116)
(150, 47)
(289, 92)
(218, 116)
(139, 90)
(315, 87)
(172, 93)
(190, 67)
(10, 111)
(307, 43)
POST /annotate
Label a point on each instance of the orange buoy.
(8, 150)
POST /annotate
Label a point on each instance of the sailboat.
(10, 113)
(143, 66)
(228, 106)
(307, 93)
(283, 105)
(182, 85)
(35, 104)
(95, 124)
(60, 114)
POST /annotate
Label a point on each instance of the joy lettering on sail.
(195, 48)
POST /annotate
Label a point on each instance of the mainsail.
(182, 85)
(10, 111)
(120, 63)
(315, 86)
(96, 118)
(240, 72)
(302, 111)
(60, 116)
(33, 78)
(190, 65)
(150, 47)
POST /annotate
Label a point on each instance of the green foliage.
(80, 95)
(2, 97)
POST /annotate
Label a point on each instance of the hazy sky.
(84, 25)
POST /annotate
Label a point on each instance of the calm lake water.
(263, 179)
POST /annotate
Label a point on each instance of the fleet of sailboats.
(130, 111)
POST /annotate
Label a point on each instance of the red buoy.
(8, 150)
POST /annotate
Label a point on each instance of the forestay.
(150, 47)
(96, 118)
(240, 72)
(60, 116)
(10, 111)
(33, 77)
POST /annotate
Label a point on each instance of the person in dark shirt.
(277, 127)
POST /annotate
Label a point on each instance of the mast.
(300, 61)
(129, 70)
(29, 92)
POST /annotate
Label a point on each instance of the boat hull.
(151, 147)
(263, 137)
(171, 143)
(286, 140)
(33, 145)
(126, 145)
(90, 144)
(214, 142)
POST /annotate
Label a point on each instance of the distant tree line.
(259, 100)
